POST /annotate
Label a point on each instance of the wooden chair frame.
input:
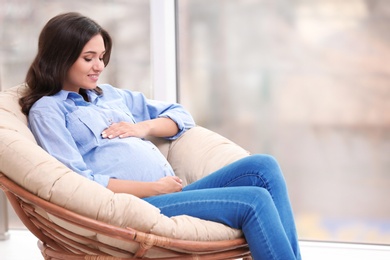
(56, 242)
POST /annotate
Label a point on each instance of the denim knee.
(267, 167)
(260, 161)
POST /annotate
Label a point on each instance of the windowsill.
(311, 250)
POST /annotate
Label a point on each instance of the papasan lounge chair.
(75, 218)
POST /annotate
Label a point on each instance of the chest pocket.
(86, 126)
(87, 123)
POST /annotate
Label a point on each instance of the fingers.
(121, 130)
(170, 184)
(179, 182)
(107, 135)
(127, 129)
(177, 179)
(109, 132)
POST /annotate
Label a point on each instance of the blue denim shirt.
(70, 128)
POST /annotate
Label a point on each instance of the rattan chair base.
(56, 242)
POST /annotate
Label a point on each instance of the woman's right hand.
(142, 189)
(169, 184)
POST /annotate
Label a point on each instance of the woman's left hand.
(126, 129)
(158, 127)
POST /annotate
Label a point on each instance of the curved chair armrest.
(65, 244)
(199, 152)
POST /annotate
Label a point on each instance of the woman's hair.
(60, 44)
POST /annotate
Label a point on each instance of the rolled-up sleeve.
(146, 109)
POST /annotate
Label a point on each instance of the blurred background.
(306, 81)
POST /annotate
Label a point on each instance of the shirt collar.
(64, 95)
(93, 96)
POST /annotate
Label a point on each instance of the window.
(305, 81)
(128, 22)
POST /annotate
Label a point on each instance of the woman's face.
(84, 73)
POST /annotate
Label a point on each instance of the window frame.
(164, 51)
(164, 89)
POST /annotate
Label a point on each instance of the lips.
(94, 77)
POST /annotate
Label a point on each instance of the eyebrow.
(93, 52)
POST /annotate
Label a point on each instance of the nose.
(98, 65)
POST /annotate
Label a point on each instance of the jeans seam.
(201, 202)
(249, 205)
(265, 183)
(265, 236)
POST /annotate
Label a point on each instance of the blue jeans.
(249, 194)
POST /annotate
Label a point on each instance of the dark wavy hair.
(60, 44)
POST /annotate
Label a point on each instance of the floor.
(22, 245)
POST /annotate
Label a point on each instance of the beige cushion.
(200, 152)
(195, 154)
